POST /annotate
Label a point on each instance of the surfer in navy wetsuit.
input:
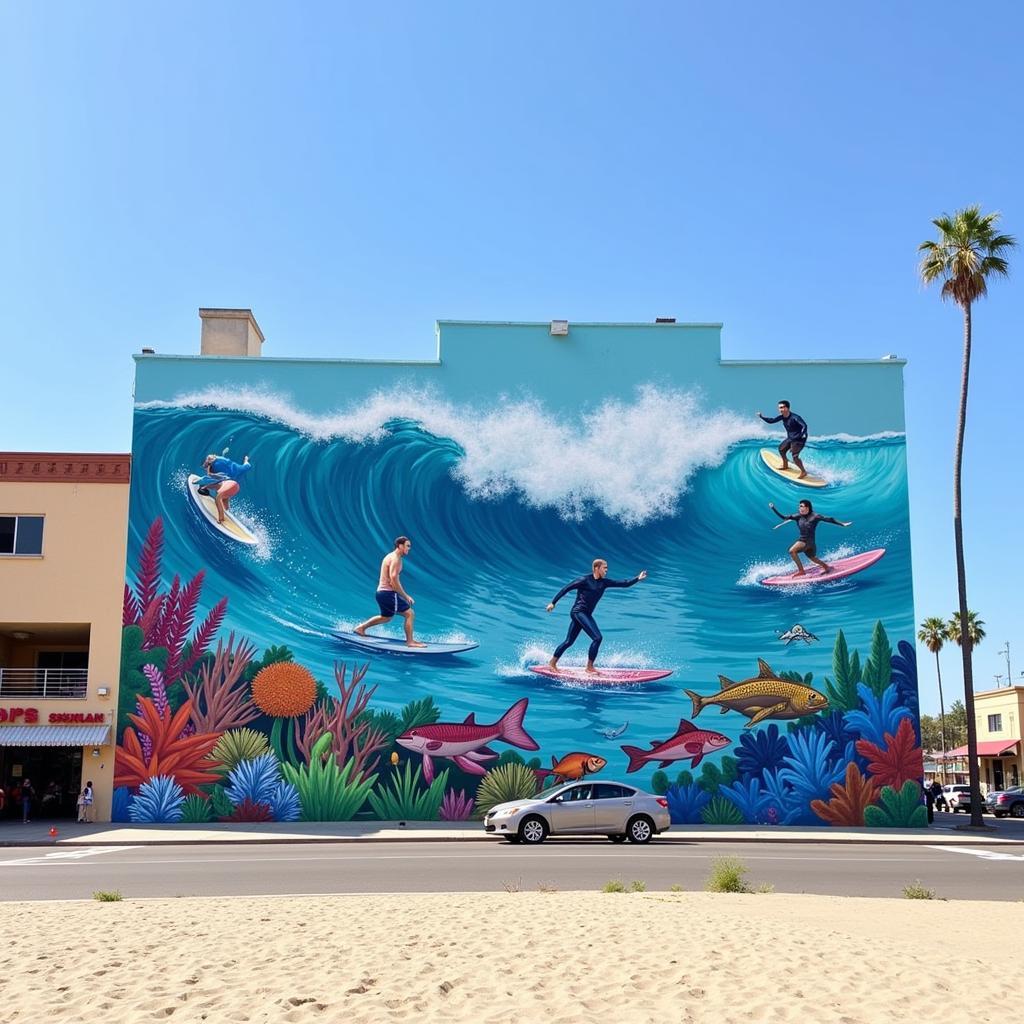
(589, 590)
(806, 521)
(796, 436)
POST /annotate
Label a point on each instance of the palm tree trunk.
(961, 585)
(942, 717)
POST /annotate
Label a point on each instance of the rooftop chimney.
(664, 319)
(229, 332)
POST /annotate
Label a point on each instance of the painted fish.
(613, 734)
(797, 632)
(762, 696)
(465, 743)
(572, 766)
(688, 742)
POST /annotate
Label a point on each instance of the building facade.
(512, 461)
(63, 522)
(998, 714)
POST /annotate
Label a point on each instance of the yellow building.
(998, 715)
(63, 528)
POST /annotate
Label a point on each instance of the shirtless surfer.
(807, 521)
(222, 480)
(796, 436)
(589, 590)
(391, 596)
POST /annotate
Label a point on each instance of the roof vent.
(891, 355)
(664, 319)
(149, 351)
(559, 328)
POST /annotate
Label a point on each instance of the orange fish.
(573, 766)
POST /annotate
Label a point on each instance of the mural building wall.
(512, 463)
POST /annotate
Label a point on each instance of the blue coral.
(752, 801)
(783, 806)
(904, 678)
(811, 767)
(284, 802)
(685, 803)
(255, 780)
(761, 751)
(122, 802)
(879, 715)
(158, 800)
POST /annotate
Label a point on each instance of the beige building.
(998, 715)
(63, 529)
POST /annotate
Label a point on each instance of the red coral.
(220, 696)
(249, 811)
(204, 634)
(150, 622)
(131, 612)
(178, 623)
(148, 577)
(899, 761)
(186, 758)
(849, 801)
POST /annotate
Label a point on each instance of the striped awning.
(54, 735)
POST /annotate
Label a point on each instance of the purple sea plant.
(158, 800)
(760, 751)
(880, 715)
(685, 803)
(456, 806)
(157, 688)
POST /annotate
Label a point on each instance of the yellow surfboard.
(774, 462)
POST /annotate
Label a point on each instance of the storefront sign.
(28, 716)
(62, 717)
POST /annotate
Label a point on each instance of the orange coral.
(848, 802)
(284, 690)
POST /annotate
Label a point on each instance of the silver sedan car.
(613, 809)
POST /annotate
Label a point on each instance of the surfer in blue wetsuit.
(589, 590)
(223, 480)
(796, 436)
(806, 521)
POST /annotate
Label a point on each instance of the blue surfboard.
(396, 645)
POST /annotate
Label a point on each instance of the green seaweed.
(684, 778)
(842, 694)
(499, 785)
(194, 809)
(509, 757)
(898, 808)
(239, 745)
(220, 803)
(878, 669)
(406, 800)
(419, 712)
(659, 782)
(722, 812)
(327, 792)
(712, 777)
(132, 681)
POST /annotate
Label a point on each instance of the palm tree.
(933, 634)
(968, 252)
(975, 629)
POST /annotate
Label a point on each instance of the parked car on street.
(1003, 802)
(613, 809)
(958, 798)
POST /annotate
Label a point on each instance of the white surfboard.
(397, 645)
(231, 527)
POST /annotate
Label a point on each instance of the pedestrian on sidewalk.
(929, 797)
(87, 798)
(27, 792)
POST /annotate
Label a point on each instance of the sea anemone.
(284, 690)
(238, 745)
(158, 800)
(253, 780)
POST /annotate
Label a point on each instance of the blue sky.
(353, 172)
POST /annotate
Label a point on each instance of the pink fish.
(465, 743)
(688, 742)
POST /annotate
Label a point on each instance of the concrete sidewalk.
(944, 831)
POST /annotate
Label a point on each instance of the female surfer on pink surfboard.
(589, 590)
(806, 521)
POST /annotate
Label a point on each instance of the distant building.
(998, 715)
(63, 520)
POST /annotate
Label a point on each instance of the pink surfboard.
(841, 568)
(603, 676)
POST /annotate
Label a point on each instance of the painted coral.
(456, 806)
(158, 800)
(898, 761)
(284, 690)
(849, 800)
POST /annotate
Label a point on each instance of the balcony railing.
(43, 682)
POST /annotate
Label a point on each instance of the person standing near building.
(26, 800)
(87, 798)
(796, 436)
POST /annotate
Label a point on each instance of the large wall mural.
(412, 592)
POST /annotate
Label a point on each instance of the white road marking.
(58, 857)
(984, 854)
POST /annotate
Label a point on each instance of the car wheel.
(511, 839)
(640, 829)
(618, 837)
(533, 830)
(1017, 810)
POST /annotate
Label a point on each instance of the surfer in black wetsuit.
(807, 521)
(796, 436)
(589, 590)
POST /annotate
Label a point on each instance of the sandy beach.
(557, 958)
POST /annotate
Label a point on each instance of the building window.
(21, 535)
(995, 723)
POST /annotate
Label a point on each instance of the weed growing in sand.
(546, 887)
(727, 875)
(512, 884)
(615, 885)
(916, 891)
(638, 886)
(107, 897)
(675, 888)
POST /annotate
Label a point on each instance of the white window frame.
(16, 516)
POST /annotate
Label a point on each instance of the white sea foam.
(630, 459)
(536, 652)
(754, 572)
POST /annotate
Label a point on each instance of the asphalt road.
(975, 872)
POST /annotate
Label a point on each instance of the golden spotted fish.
(763, 696)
